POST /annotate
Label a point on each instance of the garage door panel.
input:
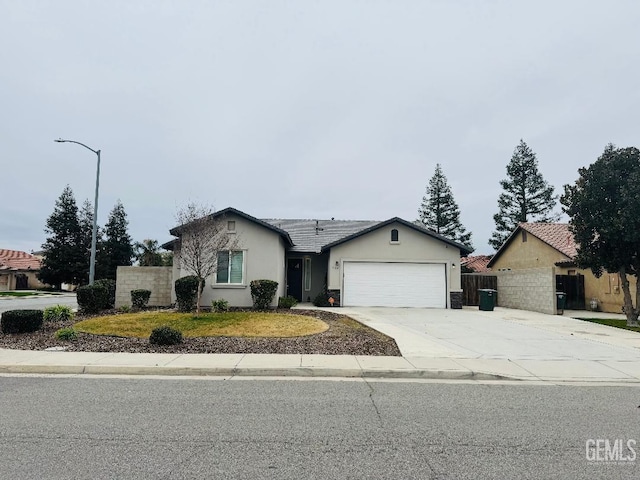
(394, 284)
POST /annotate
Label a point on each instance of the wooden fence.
(472, 282)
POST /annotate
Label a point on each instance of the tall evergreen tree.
(439, 211)
(63, 260)
(85, 219)
(117, 247)
(526, 197)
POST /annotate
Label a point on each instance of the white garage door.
(377, 284)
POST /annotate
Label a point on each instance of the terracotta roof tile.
(17, 260)
(477, 263)
(557, 235)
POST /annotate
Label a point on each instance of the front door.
(22, 282)
(294, 278)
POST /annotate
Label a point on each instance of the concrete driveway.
(500, 334)
(509, 343)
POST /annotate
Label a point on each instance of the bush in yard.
(66, 334)
(165, 335)
(92, 298)
(321, 300)
(287, 302)
(110, 285)
(262, 293)
(21, 321)
(219, 306)
(58, 313)
(140, 298)
(186, 293)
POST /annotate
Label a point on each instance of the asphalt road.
(39, 302)
(83, 427)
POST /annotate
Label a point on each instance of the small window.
(231, 225)
(394, 235)
(307, 274)
(524, 236)
(230, 267)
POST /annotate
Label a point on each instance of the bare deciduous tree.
(202, 234)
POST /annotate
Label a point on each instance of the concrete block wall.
(531, 289)
(156, 279)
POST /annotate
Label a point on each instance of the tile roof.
(312, 235)
(477, 263)
(17, 260)
(557, 235)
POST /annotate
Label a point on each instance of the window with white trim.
(230, 267)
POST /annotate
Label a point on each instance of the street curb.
(319, 372)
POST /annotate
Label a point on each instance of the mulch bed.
(345, 336)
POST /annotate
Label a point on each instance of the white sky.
(303, 109)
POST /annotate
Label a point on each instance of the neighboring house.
(535, 245)
(475, 264)
(360, 263)
(18, 270)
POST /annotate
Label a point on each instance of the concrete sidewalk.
(456, 344)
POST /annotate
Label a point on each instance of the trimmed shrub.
(92, 298)
(287, 302)
(186, 293)
(321, 300)
(124, 308)
(219, 306)
(140, 298)
(58, 313)
(165, 335)
(21, 321)
(262, 293)
(67, 334)
(110, 285)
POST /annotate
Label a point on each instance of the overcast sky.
(303, 109)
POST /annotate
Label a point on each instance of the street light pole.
(94, 232)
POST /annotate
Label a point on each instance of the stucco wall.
(264, 258)
(413, 246)
(156, 279)
(533, 253)
(607, 289)
(8, 280)
(528, 289)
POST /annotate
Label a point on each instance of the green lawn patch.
(230, 324)
(611, 322)
(14, 293)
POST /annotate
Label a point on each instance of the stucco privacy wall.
(412, 246)
(531, 289)
(156, 279)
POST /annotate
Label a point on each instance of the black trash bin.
(561, 298)
(487, 299)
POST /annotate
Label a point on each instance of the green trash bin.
(487, 299)
(561, 298)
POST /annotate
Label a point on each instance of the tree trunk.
(628, 308)
(199, 296)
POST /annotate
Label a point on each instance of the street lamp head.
(60, 140)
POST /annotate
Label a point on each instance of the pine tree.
(117, 248)
(439, 211)
(85, 219)
(526, 197)
(63, 260)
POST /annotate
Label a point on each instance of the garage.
(394, 284)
